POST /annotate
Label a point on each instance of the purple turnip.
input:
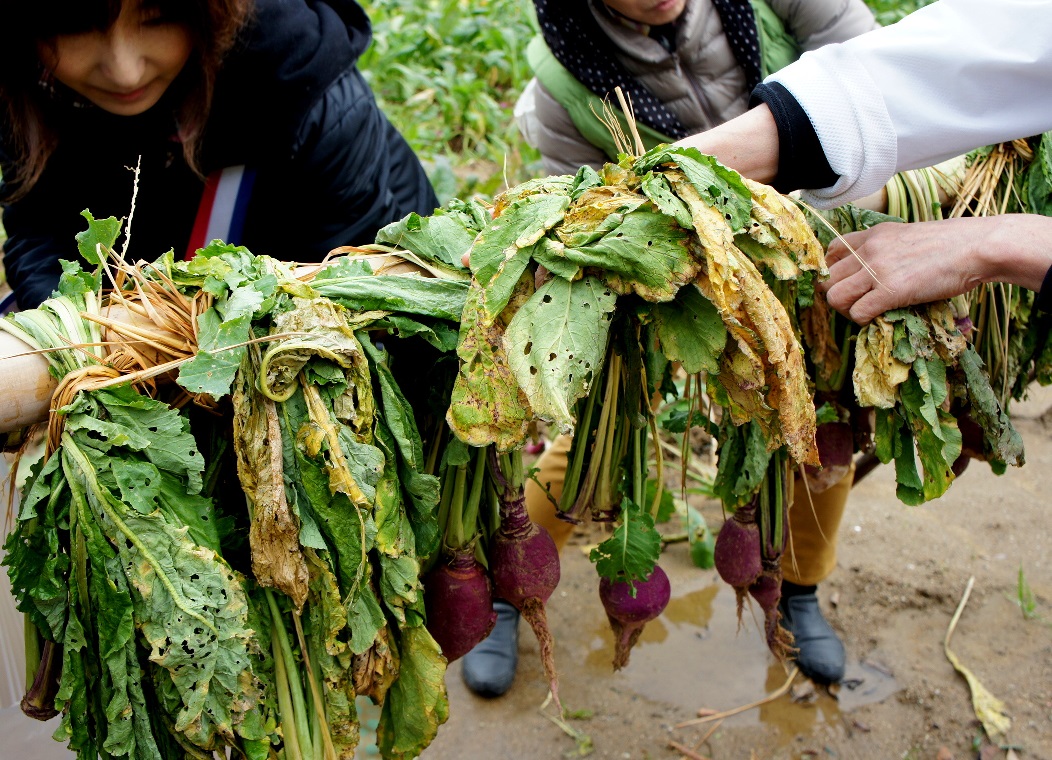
(767, 591)
(737, 552)
(836, 444)
(458, 599)
(627, 614)
(524, 562)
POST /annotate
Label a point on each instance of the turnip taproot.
(458, 598)
(736, 553)
(524, 562)
(767, 591)
(628, 614)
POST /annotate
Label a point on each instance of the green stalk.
(471, 505)
(659, 463)
(323, 746)
(447, 497)
(613, 440)
(586, 492)
(579, 448)
(285, 708)
(637, 466)
(455, 521)
(295, 687)
(517, 471)
(436, 447)
(32, 644)
(841, 373)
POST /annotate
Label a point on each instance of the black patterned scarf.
(579, 44)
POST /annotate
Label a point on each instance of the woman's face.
(652, 12)
(125, 69)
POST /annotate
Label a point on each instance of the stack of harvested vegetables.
(375, 423)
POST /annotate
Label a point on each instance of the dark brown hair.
(213, 26)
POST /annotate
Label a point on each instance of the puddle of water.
(694, 656)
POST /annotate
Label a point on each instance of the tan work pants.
(810, 553)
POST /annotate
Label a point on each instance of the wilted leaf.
(555, 345)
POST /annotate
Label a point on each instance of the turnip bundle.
(143, 629)
(587, 290)
(913, 372)
(339, 514)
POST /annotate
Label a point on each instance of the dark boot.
(821, 653)
(489, 668)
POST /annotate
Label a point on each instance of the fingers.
(868, 307)
(843, 248)
(843, 294)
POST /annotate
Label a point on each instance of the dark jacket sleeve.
(801, 161)
(31, 262)
(32, 249)
(351, 173)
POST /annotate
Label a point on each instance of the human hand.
(907, 264)
(896, 264)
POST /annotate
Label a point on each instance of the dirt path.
(901, 574)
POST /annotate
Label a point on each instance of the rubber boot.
(489, 668)
(820, 654)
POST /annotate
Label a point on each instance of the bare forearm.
(748, 144)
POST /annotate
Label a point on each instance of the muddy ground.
(901, 575)
(902, 572)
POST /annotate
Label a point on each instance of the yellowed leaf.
(778, 222)
(877, 373)
(988, 709)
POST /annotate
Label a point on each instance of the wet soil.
(902, 572)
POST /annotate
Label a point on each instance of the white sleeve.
(948, 78)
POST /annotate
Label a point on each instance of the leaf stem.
(295, 687)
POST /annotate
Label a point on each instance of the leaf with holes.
(556, 343)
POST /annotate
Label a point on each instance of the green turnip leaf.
(634, 548)
(556, 343)
(690, 331)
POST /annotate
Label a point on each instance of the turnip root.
(458, 598)
(835, 442)
(737, 554)
(524, 562)
(627, 614)
(767, 591)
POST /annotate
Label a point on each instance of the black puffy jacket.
(290, 104)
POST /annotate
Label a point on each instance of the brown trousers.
(810, 554)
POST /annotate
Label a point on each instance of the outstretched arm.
(908, 264)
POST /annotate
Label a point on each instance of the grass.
(1025, 597)
(448, 72)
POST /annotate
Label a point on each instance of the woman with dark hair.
(247, 120)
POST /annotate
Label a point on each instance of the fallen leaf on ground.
(988, 709)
